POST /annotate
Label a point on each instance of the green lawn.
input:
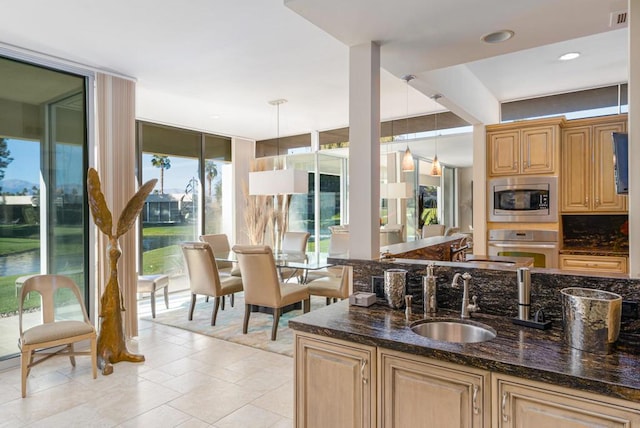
(17, 245)
(161, 260)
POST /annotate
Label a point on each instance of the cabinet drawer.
(615, 264)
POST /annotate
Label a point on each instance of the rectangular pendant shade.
(396, 191)
(278, 182)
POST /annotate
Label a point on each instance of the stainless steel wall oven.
(541, 245)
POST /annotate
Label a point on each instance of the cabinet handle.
(363, 365)
(597, 202)
(476, 409)
(505, 417)
(586, 201)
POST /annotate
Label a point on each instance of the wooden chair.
(54, 330)
(204, 278)
(262, 286)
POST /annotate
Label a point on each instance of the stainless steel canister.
(591, 318)
(395, 281)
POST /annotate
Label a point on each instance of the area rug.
(229, 323)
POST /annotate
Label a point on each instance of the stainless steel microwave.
(523, 199)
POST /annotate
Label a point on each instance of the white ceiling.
(214, 65)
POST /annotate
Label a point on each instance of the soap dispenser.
(429, 292)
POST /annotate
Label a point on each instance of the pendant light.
(407, 160)
(436, 169)
(278, 181)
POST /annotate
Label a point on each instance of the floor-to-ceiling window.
(43, 162)
(192, 195)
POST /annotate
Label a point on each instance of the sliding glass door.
(43, 214)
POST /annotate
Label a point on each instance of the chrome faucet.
(467, 308)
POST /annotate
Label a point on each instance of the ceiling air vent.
(618, 19)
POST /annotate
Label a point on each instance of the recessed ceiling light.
(498, 36)
(569, 56)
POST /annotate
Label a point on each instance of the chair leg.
(153, 303)
(71, 357)
(276, 319)
(328, 301)
(216, 305)
(306, 305)
(192, 306)
(222, 302)
(232, 299)
(25, 358)
(206, 299)
(166, 296)
(247, 313)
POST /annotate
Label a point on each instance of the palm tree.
(162, 162)
(5, 158)
(211, 172)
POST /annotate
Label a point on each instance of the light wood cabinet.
(522, 403)
(517, 149)
(587, 263)
(344, 384)
(587, 172)
(422, 392)
(335, 383)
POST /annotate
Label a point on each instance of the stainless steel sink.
(454, 330)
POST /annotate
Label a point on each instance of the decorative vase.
(395, 281)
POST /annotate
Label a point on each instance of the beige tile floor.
(187, 380)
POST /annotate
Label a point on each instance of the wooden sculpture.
(111, 344)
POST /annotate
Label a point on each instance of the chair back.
(47, 285)
(202, 268)
(259, 275)
(219, 243)
(346, 283)
(429, 230)
(339, 245)
(295, 242)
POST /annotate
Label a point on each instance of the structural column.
(634, 135)
(364, 151)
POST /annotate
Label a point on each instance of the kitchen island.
(522, 373)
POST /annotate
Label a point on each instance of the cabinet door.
(605, 197)
(504, 153)
(525, 404)
(419, 392)
(538, 150)
(575, 177)
(334, 383)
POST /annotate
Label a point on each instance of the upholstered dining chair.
(262, 286)
(204, 277)
(333, 287)
(219, 243)
(429, 230)
(294, 243)
(55, 330)
(338, 247)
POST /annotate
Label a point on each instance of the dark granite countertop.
(404, 247)
(595, 251)
(518, 351)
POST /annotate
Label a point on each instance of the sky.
(26, 166)
(26, 161)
